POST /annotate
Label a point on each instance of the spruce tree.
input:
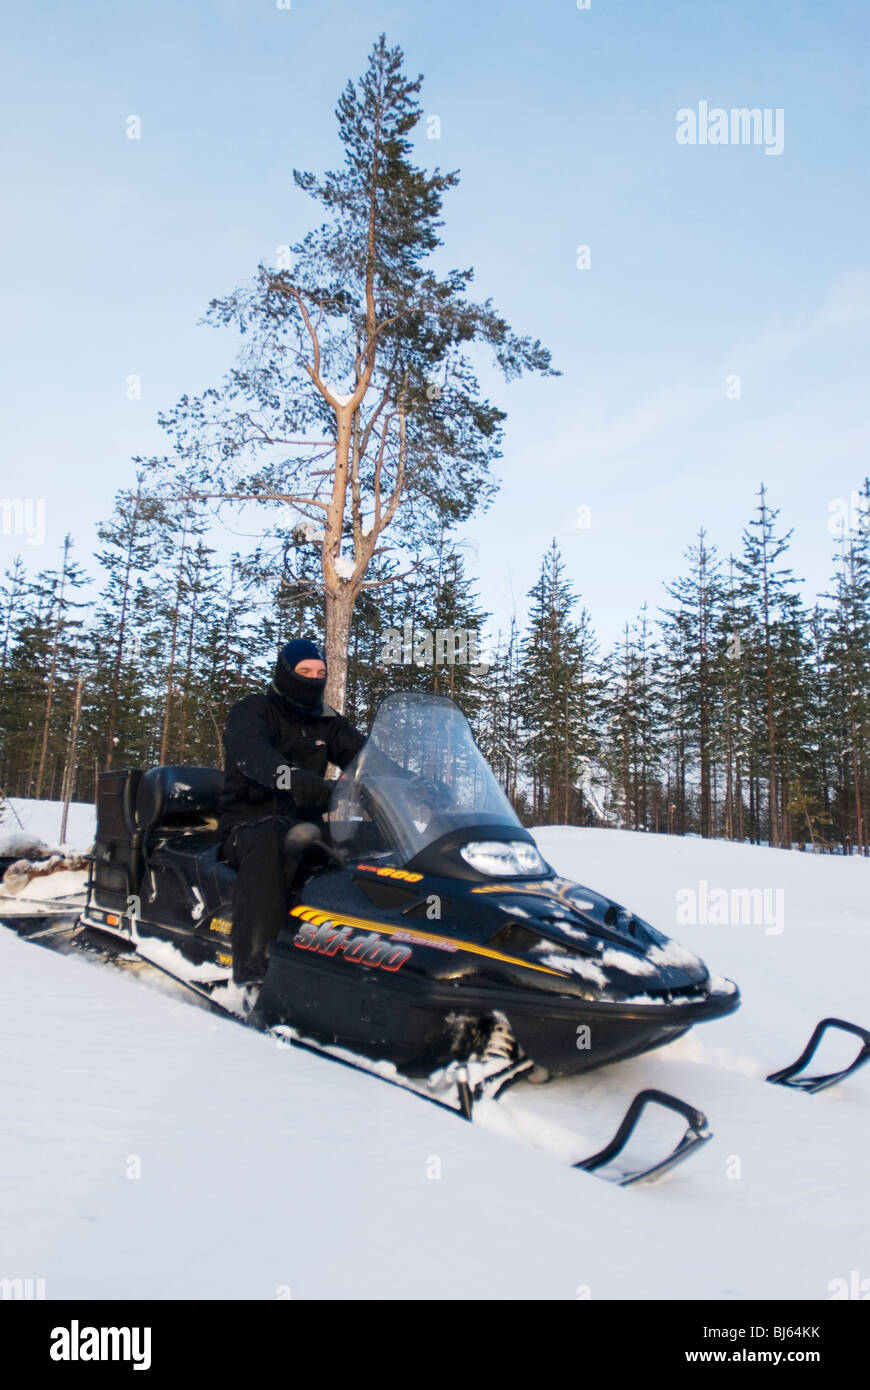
(690, 657)
(59, 633)
(555, 702)
(119, 699)
(497, 727)
(848, 658)
(634, 744)
(775, 656)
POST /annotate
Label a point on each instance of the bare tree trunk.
(188, 671)
(170, 677)
(339, 615)
(729, 781)
(774, 832)
(114, 695)
(856, 778)
(69, 775)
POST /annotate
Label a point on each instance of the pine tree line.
(735, 713)
(732, 711)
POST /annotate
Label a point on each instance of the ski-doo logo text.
(330, 938)
(75, 1343)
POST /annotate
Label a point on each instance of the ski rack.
(787, 1076)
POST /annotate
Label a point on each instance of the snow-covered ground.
(28, 823)
(30, 830)
(153, 1150)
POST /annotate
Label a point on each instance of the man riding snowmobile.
(278, 745)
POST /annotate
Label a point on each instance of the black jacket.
(265, 735)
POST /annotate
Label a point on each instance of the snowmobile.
(429, 942)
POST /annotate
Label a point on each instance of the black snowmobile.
(429, 943)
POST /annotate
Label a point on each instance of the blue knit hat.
(300, 650)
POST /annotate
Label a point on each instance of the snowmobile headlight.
(503, 858)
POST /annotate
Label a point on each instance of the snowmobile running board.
(696, 1134)
(787, 1076)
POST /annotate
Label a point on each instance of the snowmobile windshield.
(419, 776)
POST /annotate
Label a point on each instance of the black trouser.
(263, 892)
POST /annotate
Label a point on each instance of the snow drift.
(154, 1150)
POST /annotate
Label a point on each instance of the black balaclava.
(305, 693)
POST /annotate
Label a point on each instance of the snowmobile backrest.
(178, 796)
(116, 804)
(117, 866)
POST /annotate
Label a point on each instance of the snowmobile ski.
(697, 1132)
(788, 1076)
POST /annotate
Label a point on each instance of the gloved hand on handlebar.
(309, 790)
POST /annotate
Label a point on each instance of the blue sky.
(706, 261)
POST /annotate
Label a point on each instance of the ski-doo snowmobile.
(425, 912)
(428, 931)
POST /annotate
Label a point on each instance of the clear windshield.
(419, 776)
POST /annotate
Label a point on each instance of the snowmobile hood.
(593, 939)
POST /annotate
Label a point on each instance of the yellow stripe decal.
(319, 917)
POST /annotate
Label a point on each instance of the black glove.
(309, 790)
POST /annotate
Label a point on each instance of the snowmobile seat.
(179, 798)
